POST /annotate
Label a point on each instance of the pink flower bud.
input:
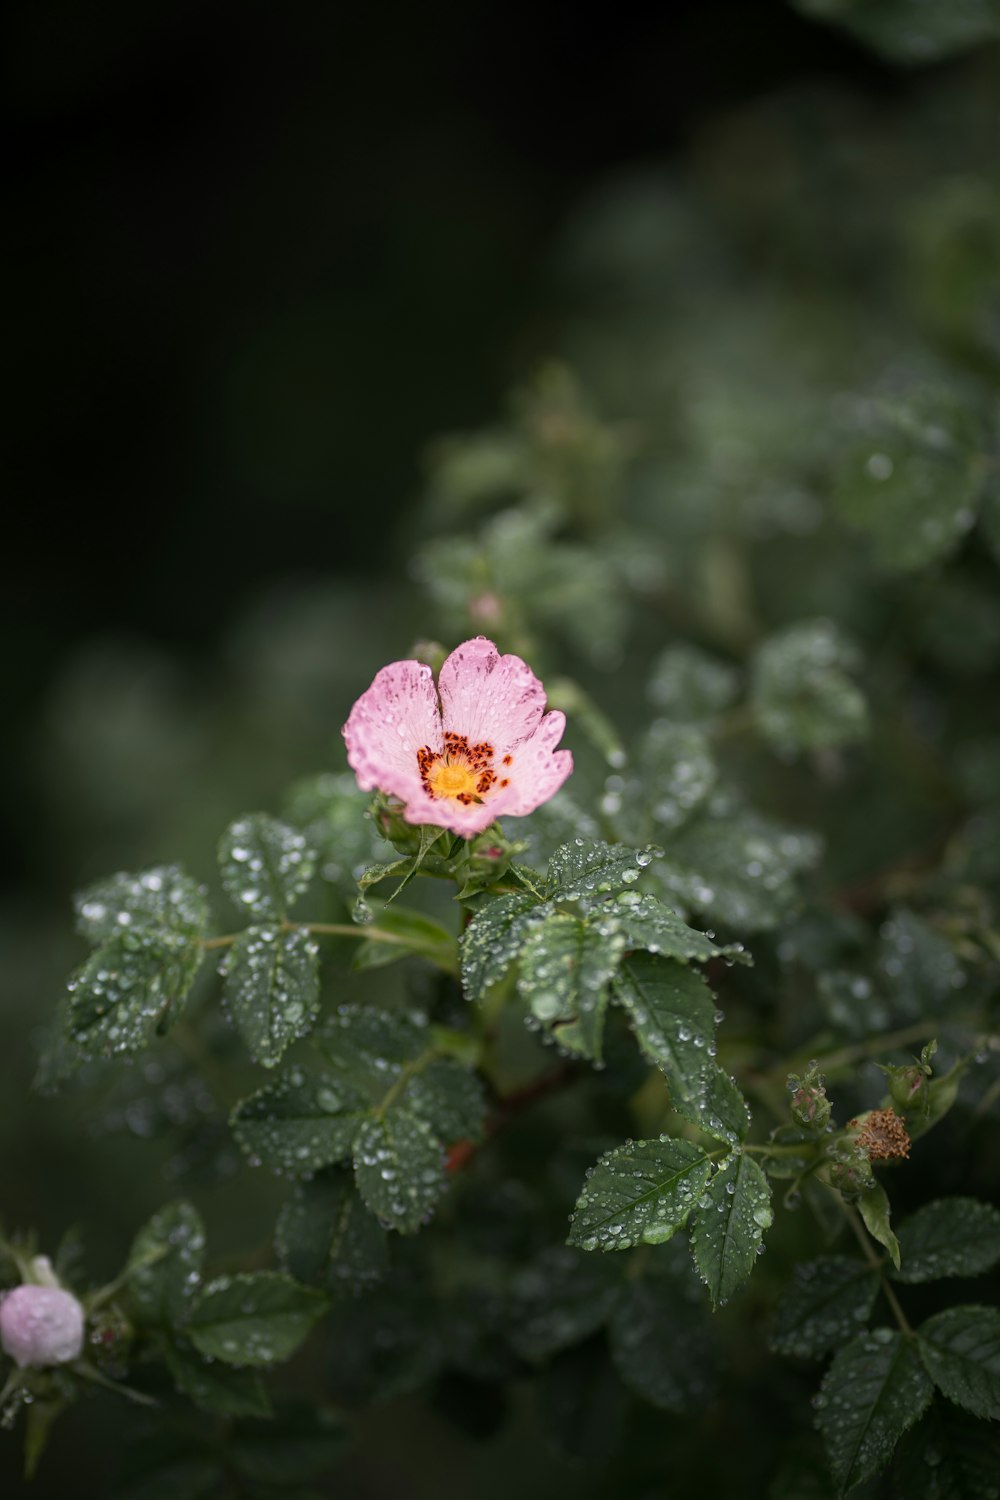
(41, 1325)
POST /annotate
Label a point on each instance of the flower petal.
(445, 812)
(390, 722)
(537, 770)
(489, 697)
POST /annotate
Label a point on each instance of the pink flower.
(477, 747)
(41, 1325)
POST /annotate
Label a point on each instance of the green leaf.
(949, 1456)
(566, 964)
(130, 990)
(265, 865)
(366, 1049)
(449, 1098)
(412, 933)
(649, 924)
(333, 814)
(736, 865)
(271, 989)
(801, 693)
(919, 966)
(691, 687)
(558, 1300)
(910, 472)
(641, 1192)
(961, 1350)
(874, 1390)
(873, 1206)
(672, 1012)
(732, 1215)
(325, 1235)
(824, 1305)
(299, 1123)
(255, 1319)
(493, 939)
(949, 1237)
(662, 1347)
(164, 1264)
(218, 1388)
(399, 1169)
(677, 772)
(589, 867)
(556, 822)
(163, 898)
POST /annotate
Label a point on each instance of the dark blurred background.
(257, 255)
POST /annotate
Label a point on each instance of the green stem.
(876, 1262)
(408, 1071)
(340, 929)
(876, 1045)
(770, 1150)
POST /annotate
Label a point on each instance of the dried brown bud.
(881, 1135)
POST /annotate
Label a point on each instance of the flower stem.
(876, 1262)
(341, 929)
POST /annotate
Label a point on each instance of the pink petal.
(489, 697)
(390, 722)
(536, 772)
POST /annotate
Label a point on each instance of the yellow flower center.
(454, 780)
(462, 772)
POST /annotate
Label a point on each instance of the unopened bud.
(809, 1104)
(388, 815)
(41, 1325)
(851, 1174)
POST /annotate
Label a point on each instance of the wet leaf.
(130, 991)
(874, 1390)
(735, 865)
(802, 694)
(672, 1012)
(327, 1237)
(733, 1213)
(399, 1169)
(255, 1319)
(961, 1350)
(215, 1387)
(949, 1237)
(641, 1192)
(691, 687)
(299, 1123)
(566, 964)
(910, 476)
(265, 865)
(271, 989)
(677, 772)
(590, 867)
(662, 1347)
(493, 939)
(163, 898)
(949, 1456)
(164, 1264)
(824, 1306)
